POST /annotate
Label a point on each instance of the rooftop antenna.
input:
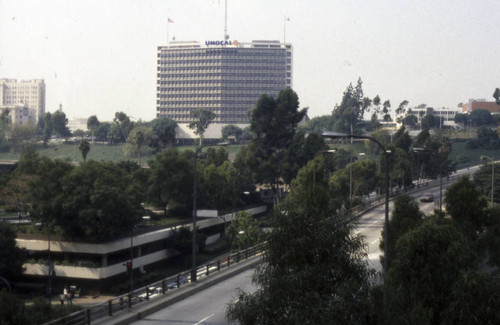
(226, 36)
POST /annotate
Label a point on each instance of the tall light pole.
(336, 135)
(195, 185)
(492, 159)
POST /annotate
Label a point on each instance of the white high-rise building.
(225, 77)
(24, 93)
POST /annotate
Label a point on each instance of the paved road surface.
(206, 307)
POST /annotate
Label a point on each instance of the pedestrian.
(62, 298)
(70, 297)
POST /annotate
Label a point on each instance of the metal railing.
(155, 290)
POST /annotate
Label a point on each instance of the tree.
(201, 119)
(318, 124)
(21, 136)
(123, 126)
(139, 135)
(302, 149)
(5, 129)
(244, 231)
(474, 299)
(427, 262)
(96, 200)
(12, 310)
(350, 112)
(496, 95)
(406, 216)
(401, 110)
(465, 204)
(99, 202)
(462, 119)
(84, 148)
(101, 132)
(46, 127)
(232, 132)
(220, 187)
(382, 136)
(314, 270)
(216, 156)
(163, 133)
(170, 172)
(92, 125)
(410, 121)
(481, 117)
(12, 257)
(60, 122)
(429, 121)
(273, 123)
(386, 109)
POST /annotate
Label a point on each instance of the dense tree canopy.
(201, 119)
(427, 262)
(465, 204)
(313, 270)
(481, 117)
(12, 257)
(170, 171)
(349, 113)
(163, 133)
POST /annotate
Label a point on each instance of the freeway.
(209, 306)
(371, 222)
(206, 307)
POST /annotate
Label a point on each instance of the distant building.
(24, 93)
(225, 77)
(20, 114)
(77, 124)
(474, 104)
(447, 114)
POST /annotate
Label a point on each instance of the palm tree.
(84, 148)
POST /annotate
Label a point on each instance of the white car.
(153, 292)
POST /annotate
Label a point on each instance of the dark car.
(427, 197)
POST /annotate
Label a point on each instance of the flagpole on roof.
(169, 21)
(285, 19)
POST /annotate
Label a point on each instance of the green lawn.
(99, 152)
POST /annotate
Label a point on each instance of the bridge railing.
(154, 290)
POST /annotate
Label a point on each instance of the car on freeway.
(153, 292)
(427, 197)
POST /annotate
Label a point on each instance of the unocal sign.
(221, 43)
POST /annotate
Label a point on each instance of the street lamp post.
(195, 185)
(492, 159)
(336, 135)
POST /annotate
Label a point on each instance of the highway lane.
(372, 222)
(207, 307)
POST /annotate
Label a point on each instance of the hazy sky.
(99, 56)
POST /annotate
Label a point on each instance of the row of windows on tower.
(222, 54)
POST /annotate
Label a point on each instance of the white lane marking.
(204, 319)
(373, 242)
